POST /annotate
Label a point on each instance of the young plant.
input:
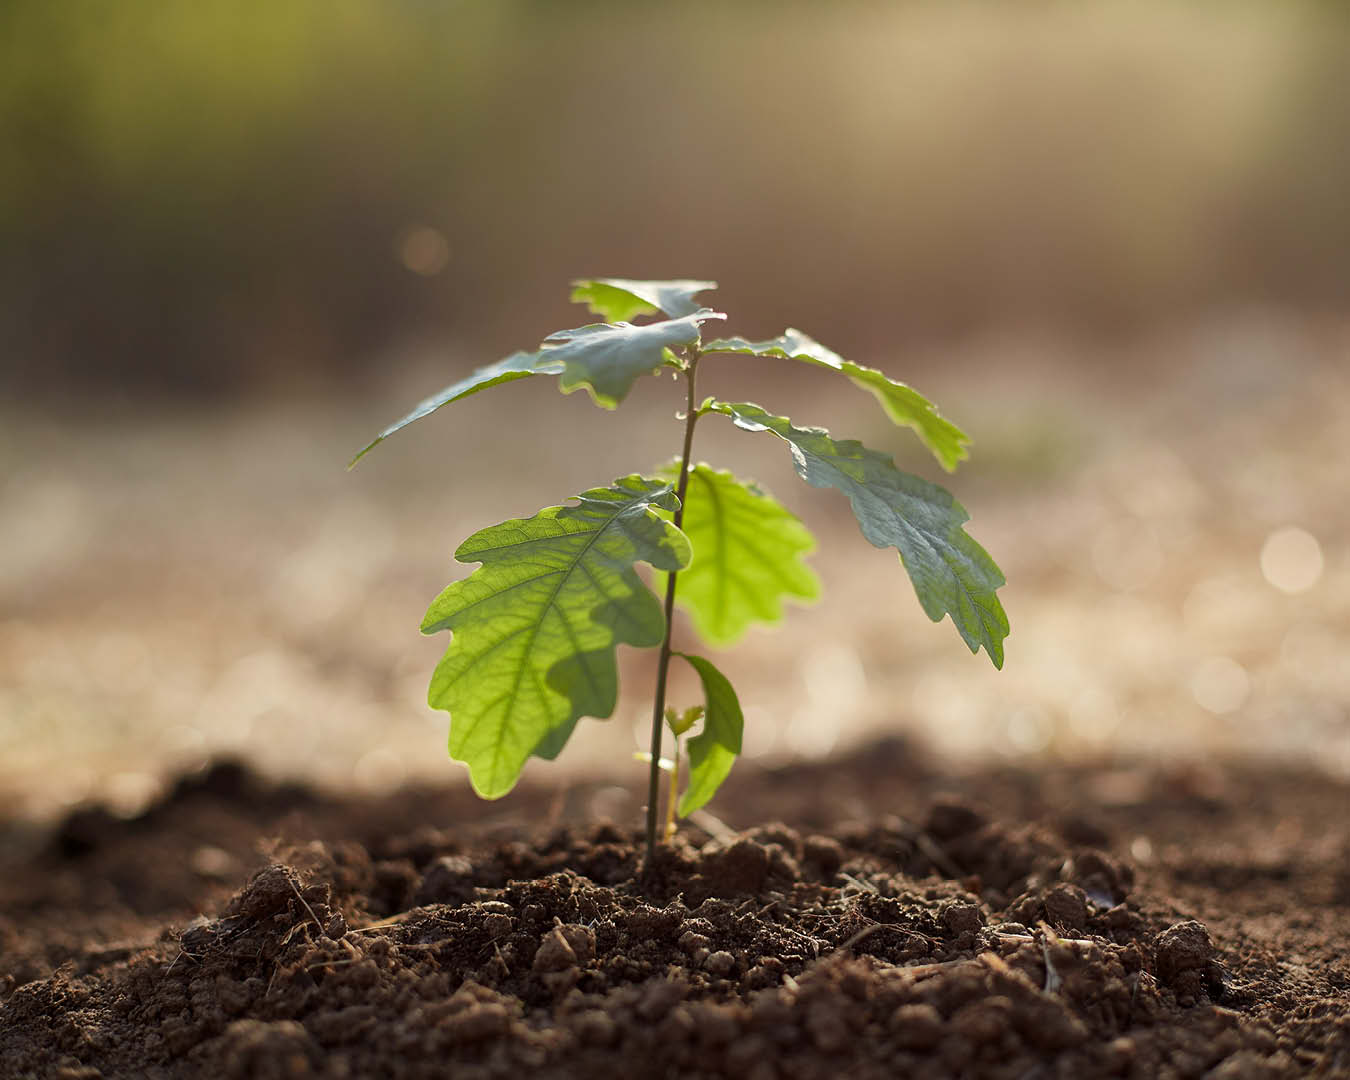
(535, 627)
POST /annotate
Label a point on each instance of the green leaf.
(712, 751)
(619, 299)
(903, 404)
(535, 627)
(748, 555)
(952, 574)
(680, 722)
(519, 365)
(607, 358)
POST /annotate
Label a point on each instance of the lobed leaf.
(951, 573)
(713, 751)
(903, 404)
(536, 625)
(607, 358)
(620, 299)
(516, 366)
(748, 555)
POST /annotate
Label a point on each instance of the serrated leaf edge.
(872, 380)
(997, 618)
(646, 293)
(663, 496)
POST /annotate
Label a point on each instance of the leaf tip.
(959, 451)
(605, 401)
(993, 641)
(489, 791)
(363, 452)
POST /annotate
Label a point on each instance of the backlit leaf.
(620, 299)
(680, 722)
(713, 750)
(519, 365)
(903, 404)
(951, 573)
(607, 358)
(535, 627)
(748, 556)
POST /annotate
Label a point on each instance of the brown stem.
(663, 664)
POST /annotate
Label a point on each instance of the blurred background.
(1111, 240)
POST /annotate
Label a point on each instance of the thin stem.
(663, 664)
(674, 791)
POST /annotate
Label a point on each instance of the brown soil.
(897, 918)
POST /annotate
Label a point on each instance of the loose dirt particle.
(581, 939)
(824, 855)
(691, 942)
(476, 1023)
(917, 1027)
(1182, 947)
(596, 1028)
(949, 817)
(827, 1026)
(737, 869)
(659, 997)
(962, 918)
(255, 1050)
(271, 890)
(554, 953)
(1066, 907)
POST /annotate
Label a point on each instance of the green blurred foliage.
(213, 194)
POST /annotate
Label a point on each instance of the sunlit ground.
(174, 587)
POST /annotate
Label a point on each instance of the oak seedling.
(536, 626)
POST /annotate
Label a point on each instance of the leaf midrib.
(534, 630)
(928, 539)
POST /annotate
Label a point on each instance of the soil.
(877, 916)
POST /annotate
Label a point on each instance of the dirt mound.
(1062, 927)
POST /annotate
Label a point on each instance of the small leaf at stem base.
(713, 751)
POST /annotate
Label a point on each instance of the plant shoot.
(536, 627)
